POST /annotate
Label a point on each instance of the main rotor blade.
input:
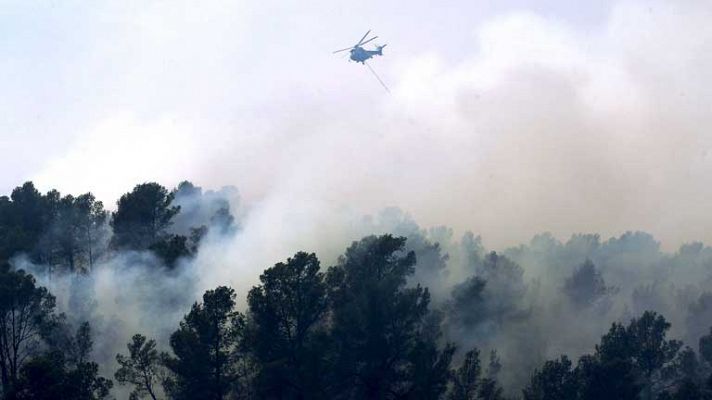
(362, 43)
(339, 51)
(364, 37)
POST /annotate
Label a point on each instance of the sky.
(507, 118)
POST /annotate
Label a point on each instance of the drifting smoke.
(529, 303)
(540, 126)
(537, 125)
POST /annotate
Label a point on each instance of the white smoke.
(538, 125)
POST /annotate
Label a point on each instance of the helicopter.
(359, 54)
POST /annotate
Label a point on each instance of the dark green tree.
(58, 243)
(705, 346)
(51, 229)
(41, 378)
(92, 227)
(705, 349)
(287, 329)
(205, 364)
(586, 286)
(685, 377)
(492, 296)
(686, 390)
(171, 248)
(466, 379)
(469, 382)
(141, 368)
(196, 237)
(75, 235)
(429, 366)
(467, 307)
(643, 342)
(556, 380)
(63, 371)
(429, 371)
(489, 388)
(142, 217)
(613, 379)
(24, 217)
(25, 311)
(7, 229)
(377, 321)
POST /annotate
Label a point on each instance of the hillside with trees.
(402, 313)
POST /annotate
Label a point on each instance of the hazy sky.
(506, 117)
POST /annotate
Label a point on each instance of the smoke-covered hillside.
(383, 309)
(522, 213)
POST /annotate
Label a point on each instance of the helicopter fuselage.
(359, 54)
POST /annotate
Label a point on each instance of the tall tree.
(171, 248)
(466, 379)
(705, 346)
(491, 297)
(205, 364)
(63, 372)
(469, 382)
(51, 229)
(644, 343)
(141, 368)
(61, 241)
(586, 286)
(705, 349)
(467, 307)
(24, 217)
(92, 224)
(25, 310)
(608, 378)
(556, 380)
(287, 329)
(377, 320)
(428, 372)
(75, 234)
(686, 378)
(142, 217)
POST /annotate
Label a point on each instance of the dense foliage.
(367, 327)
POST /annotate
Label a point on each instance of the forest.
(106, 302)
